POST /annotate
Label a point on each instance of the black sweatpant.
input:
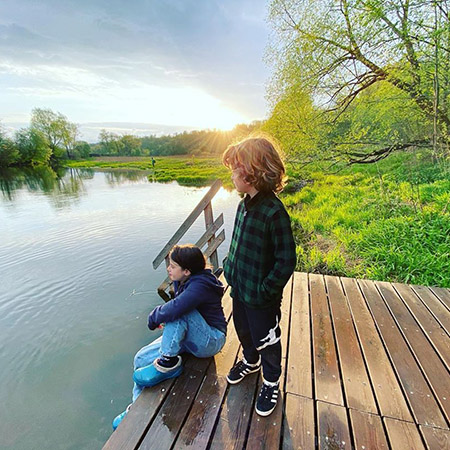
(259, 333)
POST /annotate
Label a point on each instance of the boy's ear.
(187, 272)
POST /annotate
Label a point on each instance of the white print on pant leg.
(271, 338)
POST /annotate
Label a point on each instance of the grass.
(388, 221)
(377, 225)
(187, 171)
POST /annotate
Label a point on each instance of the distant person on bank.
(194, 322)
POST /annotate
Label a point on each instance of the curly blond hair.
(260, 161)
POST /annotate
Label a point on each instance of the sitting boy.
(194, 322)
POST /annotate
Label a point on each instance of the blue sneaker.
(120, 417)
(155, 373)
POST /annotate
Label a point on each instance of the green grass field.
(389, 221)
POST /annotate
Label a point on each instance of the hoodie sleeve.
(183, 303)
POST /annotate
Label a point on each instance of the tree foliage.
(338, 50)
(8, 151)
(32, 146)
(60, 134)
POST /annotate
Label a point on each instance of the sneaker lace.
(265, 391)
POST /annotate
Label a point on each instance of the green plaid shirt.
(262, 254)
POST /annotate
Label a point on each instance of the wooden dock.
(365, 366)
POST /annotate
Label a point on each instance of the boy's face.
(176, 272)
(238, 178)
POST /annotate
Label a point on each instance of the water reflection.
(63, 186)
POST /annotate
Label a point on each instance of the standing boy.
(260, 261)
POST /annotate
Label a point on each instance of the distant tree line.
(51, 138)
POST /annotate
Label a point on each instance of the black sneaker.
(241, 369)
(267, 398)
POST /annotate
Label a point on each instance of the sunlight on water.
(76, 285)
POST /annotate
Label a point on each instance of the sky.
(142, 66)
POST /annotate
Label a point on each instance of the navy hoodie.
(203, 292)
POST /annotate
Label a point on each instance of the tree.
(109, 143)
(130, 145)
(82, 150)
(58, 131)
(8, 151)
(32, 146)
(339, 49)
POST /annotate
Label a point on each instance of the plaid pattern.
(262, 255)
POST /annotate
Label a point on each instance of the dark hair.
(189, 257)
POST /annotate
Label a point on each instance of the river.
(76, 285)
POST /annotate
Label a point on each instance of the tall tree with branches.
(338, 50)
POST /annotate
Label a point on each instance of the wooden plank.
(298, 429)
(416, 389)
(333, 427)
(326, 371)
(142, 412)
(209, 219)
(210, 231)
(358, 390)
(403, 435)
(431, 365)
(436, 335)
(265, 432)
(435, 438)
(440, 312)
(443, 295)
(285, 316)
(231, 429)
(368, 432)
(187, 223)
(299, 367)
(168, 422)
(386, 387)
(199, 425)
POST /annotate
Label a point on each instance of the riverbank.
(388, 221)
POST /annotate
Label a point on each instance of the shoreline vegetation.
(388, 221)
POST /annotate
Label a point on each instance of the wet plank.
(333, 427)
(435, 438)
(358, 390)
(298, 376)
(432, 329)
(326, 372)
(170, 417)
(417, 391)
(231, 429)
(298, 426)
(386, 387)
(197, 430)
(368, 432)
(134, 426)
(403, 435)
(431, 365)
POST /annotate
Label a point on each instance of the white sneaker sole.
(265, 413)
(257, 369)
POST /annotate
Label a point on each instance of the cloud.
(74, 51)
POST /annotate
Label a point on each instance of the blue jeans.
(190, 333)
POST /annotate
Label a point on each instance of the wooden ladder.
(208, 238)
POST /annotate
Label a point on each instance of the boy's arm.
(187, 301)
(284, 253)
